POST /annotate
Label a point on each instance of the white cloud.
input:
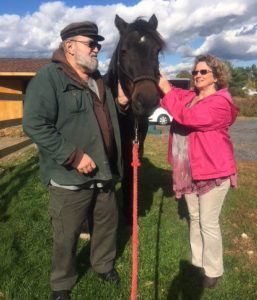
(171, 71)
(103, 66)
(230, 45)
(227, 29)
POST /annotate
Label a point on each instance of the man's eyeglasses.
(91, 44)
(202, 72)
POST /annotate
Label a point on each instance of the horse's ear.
(153, 21)
(120, 24)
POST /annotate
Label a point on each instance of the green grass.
(164, 254)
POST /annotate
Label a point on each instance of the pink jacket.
(211, 152)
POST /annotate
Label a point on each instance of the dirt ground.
(243, 134)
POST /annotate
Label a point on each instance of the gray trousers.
(68, 210)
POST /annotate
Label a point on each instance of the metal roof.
(21, 65)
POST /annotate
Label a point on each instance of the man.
(71, 116)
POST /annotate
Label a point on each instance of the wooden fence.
(12, 89)
(17, 146)
(11, 113)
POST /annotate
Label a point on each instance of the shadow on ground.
(186, 285)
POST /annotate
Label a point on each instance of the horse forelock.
(145, 29)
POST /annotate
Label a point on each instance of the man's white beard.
(86, 62)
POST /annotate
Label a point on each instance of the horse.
(135, 65)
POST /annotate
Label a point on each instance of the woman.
(202, 156)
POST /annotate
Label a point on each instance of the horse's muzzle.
(145, 98)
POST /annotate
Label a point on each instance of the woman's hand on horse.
(122, 99)
(164, 84)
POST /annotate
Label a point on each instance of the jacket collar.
(59, 58)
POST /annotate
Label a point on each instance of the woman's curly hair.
(219, 68)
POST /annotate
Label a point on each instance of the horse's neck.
(111, 83)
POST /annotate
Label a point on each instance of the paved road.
(244, 136)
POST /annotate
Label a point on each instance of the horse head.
(135, 63)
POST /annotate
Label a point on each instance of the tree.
(184, 74)
(239, 78)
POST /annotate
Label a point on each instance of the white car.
(160, 116)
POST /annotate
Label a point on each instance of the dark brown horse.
(135, 64)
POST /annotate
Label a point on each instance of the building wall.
(11, 96)
(11, 109)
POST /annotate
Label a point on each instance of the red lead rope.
(135, 164)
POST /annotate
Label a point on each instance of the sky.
(224, 28)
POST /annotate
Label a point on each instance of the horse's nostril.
(137, 105)
(140, 100)
(143, 105)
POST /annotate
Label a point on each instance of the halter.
(138, 78)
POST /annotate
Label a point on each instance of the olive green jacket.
(59, 118)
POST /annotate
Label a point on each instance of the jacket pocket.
(74, 101)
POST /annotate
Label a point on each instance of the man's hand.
(122, 99)
(84, 163)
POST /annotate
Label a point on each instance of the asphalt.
(244, 136)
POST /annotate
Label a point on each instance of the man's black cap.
(86, 28)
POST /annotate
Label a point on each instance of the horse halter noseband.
(138, 78)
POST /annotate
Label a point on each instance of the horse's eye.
(123, 51)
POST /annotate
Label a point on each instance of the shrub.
(247, 105)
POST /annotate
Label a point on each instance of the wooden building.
(15, 73)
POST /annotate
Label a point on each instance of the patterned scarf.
(181, 175)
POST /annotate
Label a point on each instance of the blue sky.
(23, 7)
(227, 29)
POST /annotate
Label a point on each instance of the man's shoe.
(209, 282)
(61, 295)
(111, 276)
